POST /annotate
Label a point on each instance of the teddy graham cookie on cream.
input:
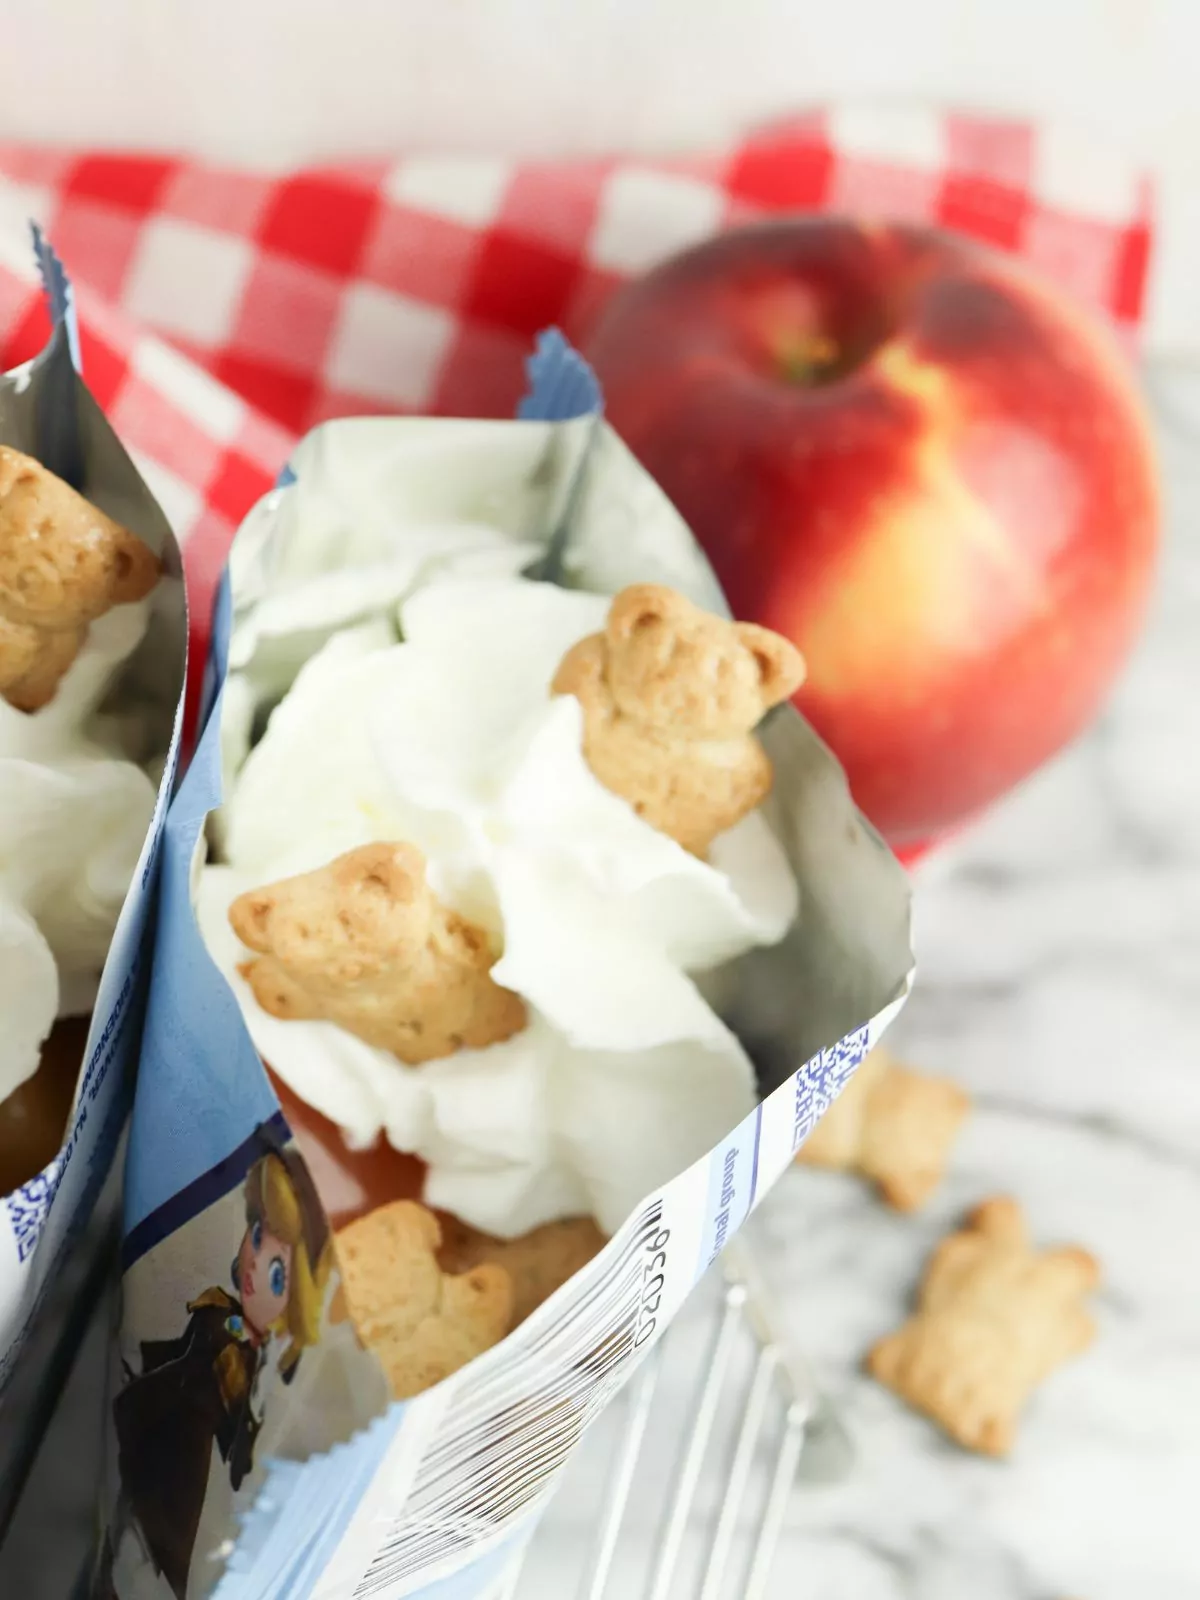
(364, 942)
(671, 696)
(63, 564)
(74, 811)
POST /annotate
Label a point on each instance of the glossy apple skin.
(921, 464)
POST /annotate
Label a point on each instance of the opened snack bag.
(92, 655)
(514, 932)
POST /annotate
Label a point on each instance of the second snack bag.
(92, 660)
(501, 968)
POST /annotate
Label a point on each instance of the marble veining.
(1059, 951)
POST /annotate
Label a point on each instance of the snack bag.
(506, 953)
(92, 658)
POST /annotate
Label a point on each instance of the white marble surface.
(1059, 950)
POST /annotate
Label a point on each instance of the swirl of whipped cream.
(452, 741)
(305, 566)
(73, 817)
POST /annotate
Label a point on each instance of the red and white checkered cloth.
(225, 312)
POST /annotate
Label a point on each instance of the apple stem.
(809, 359)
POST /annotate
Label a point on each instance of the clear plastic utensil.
(641, 1399)
(784, 1433)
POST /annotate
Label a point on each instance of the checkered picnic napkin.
(225, 312)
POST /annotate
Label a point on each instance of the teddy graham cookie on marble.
(894, 1126)
(994, 1318)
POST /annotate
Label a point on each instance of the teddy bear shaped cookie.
(894, 1126)
(365, 943)
(994, 1318)
(537, 1262)
(422, 1322)
(671, 696)
(63, 563)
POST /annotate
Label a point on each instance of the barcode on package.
(509, 1430)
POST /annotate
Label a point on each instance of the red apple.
(919, 462)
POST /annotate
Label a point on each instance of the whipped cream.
(73, 817)
(346, 554)
(452, 741)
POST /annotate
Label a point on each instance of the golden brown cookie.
(422, 1322)
(63, 563)
(538, 1262)
(993, 1319)
(33, 1118)
(365, 943)
(892, 1125)
(670, 696)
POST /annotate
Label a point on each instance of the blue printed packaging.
(86, 768)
